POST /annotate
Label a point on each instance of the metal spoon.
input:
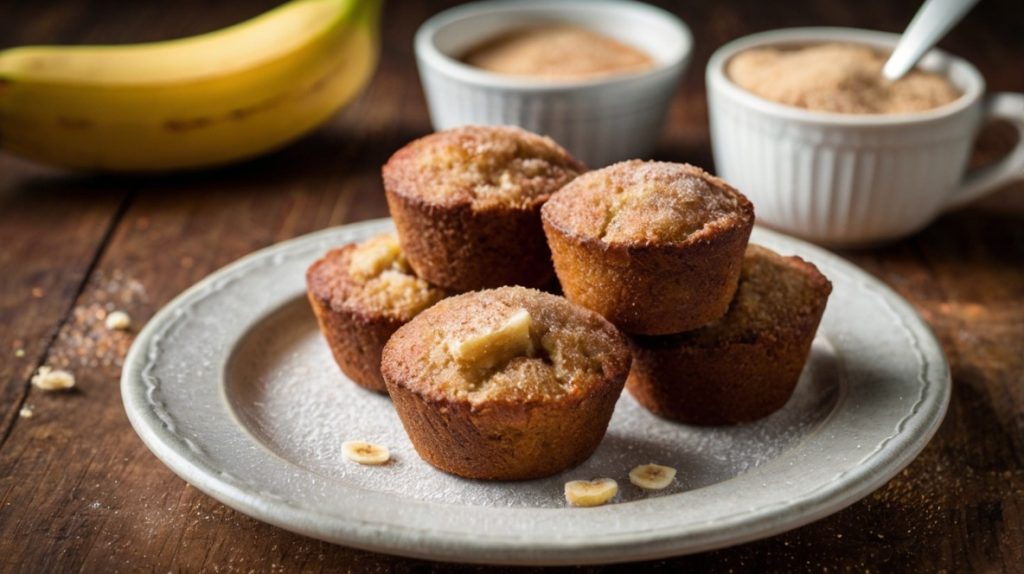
(930, 24)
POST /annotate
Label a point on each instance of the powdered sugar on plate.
(287, 390)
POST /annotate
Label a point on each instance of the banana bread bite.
(655, 247)
(745, 365)
(467, 202)
(361, 294)
(505, 384)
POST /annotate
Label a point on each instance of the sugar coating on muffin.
(646, 202)
(374, 277)
(528, 346)
(775, 293)
(487, 166)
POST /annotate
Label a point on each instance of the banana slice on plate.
(652, 476)
(590, 492)
(365, 452)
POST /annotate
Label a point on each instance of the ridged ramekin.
(601, 120)
(845, 179)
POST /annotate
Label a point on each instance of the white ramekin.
(600, 121)
(844, 179)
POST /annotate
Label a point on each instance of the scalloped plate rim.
(430, 543)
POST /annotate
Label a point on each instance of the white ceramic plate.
(233, 388)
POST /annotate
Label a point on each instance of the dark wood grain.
(79, 491)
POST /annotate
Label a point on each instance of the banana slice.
(652, 476)
(118, 321)
(365, 452)
(489, 349)
(590, 492)
(372, 257)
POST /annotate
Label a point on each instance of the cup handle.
(1002, 106)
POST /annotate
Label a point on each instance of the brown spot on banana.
(188, 124)
(183, 125)
(321, 83)
(242, 113)
(75, 123)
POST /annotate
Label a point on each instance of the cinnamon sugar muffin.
(361, 294)
(655, 247)
(505, 384)
(745, 365)
(467, 201)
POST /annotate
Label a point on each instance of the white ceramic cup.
(845, 179)
(600, 120)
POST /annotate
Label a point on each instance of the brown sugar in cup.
(467, 202)
(745, 365)
(655, 247)
(838, 78)
(506, 384)
(557, 51)
(361, 294)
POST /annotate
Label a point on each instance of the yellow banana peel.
(193, 102)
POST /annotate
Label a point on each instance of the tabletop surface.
(80, 492)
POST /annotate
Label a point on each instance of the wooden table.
(79, 491)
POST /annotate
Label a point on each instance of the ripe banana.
(206, 100)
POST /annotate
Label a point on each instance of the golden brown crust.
(529, 417)
(645, 203)
(356, 340)
(719, 385)
(465, 250)
(775, 294)
(466, 203)
(745, 366)
(666, 279)
(487, 167)
(355, 326)
(513, 442)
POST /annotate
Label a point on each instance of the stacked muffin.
(744, 365)
(467, 202)
(506, 382)
(719, 331)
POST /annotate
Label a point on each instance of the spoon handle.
(930, 24)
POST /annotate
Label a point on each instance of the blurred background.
(393, 106)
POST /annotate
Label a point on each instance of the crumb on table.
(50, 379)
(118, 321)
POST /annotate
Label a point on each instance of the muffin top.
(372, 277)
(509, 345)
(647, 203)
(775, 294)
(486, 166)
